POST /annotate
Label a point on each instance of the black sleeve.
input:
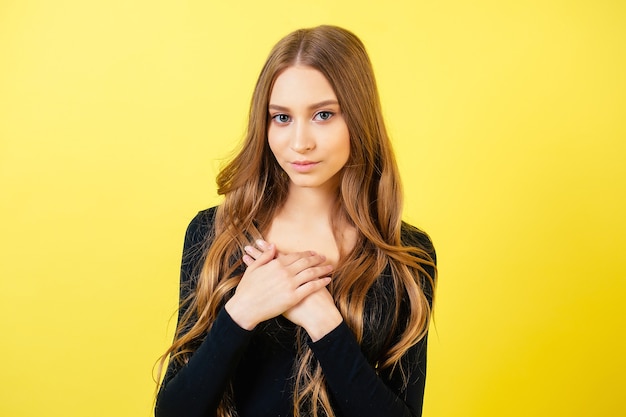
(197, 388)
(356, 387)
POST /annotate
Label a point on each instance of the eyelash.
(329, 115)
(277, 117)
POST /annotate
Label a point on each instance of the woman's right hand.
(271, 285)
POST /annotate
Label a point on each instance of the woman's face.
(307, 132)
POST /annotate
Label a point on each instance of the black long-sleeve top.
(259, 363)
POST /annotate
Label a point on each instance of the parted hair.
(369, 198)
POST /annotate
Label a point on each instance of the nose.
(302, 139)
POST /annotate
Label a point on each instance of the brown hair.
(369, 198)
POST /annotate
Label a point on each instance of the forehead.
(301, 86)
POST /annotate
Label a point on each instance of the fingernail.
(248, 249)
(261, 243)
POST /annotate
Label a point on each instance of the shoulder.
(197, 239)
(201, 224)
(200, 228)
(412, 236)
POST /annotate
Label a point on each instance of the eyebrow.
(311, 107)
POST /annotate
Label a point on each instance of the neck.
(309, 203)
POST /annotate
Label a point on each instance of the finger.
(261, 244)
(313, 273)
(305, 262)
(248, 260)
(290, 257)
(301, 260)
(264, 257)
(310, 287)
(252, 251)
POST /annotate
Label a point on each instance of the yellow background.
(508, 122)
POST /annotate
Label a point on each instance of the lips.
(303, 166)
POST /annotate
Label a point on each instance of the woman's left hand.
(317, 313)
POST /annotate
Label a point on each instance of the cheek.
(277, 148)
(276, 138)
(344, 143)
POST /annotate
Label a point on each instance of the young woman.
(304, 293)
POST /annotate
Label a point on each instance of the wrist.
(240, 314)
(321, 326)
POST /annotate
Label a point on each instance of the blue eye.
(281, 118)
(324, 115)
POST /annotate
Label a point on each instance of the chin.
(313, 181)
(305, 184)
(314, 184)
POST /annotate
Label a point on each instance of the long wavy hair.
(369, 198)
